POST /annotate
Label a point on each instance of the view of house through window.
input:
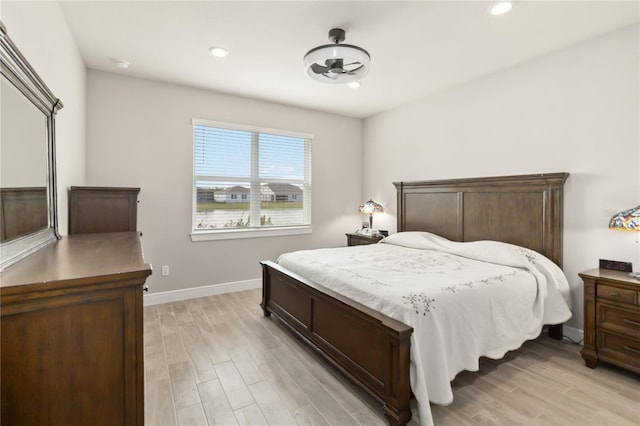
(249, 178)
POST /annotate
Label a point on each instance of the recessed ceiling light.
(354, 84)
(121, 63)
(500, 8)
(218, 52)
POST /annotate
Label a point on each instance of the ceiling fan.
(337, 63)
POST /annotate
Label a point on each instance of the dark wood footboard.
(369, 348)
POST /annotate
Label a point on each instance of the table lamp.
(371, 207)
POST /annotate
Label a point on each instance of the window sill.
(234, 234)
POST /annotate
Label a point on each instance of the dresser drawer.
(620, 350)
(625, 321)
(618, 294)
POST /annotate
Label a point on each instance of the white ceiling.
(417, 47)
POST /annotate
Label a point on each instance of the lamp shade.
(627, 220)
(371, 207)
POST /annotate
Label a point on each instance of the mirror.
(28, 219)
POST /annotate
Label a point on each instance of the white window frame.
(231, 233)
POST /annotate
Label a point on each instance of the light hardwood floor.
(218, 360)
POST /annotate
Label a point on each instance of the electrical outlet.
(165, 271)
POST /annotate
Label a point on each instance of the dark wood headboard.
(525, 210)
(22, 211)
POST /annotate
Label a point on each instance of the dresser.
(71, 342)
(611, 319)
(95, 209)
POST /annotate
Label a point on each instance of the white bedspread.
(464, 300)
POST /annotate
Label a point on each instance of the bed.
(372, 348)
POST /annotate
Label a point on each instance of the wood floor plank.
(522, 406)
(329, 407)
(251, 416)
(285, 386)
(159, 409)
(200, 318)
(272, 407)
(308, 415)
(174, 349)
(336, 385)
(215, 347)
(151, 333)
(608, 403)
(155, 362)
(548, 402)
(252, 341)
(150, 313)
(366, 417)
(245, 365)
(543, 383)
(447, 416)
(215, 403)
(163, 308)
(234, 387)
(181, 312)
(183, 385)
(168, 324)
(193, 415)
(196, 352)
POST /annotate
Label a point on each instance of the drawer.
(619, 350)
(625, 321)
(618, 294)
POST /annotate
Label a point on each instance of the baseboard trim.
(573, 333)
(194, 292)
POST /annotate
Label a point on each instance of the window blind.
(248, 178)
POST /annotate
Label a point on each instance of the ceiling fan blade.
(356, 68)
(319, 69)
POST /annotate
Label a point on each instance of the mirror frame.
(17, 70)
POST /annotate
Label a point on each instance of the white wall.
(23, 131)
(574, 111)
(40, 31)
(140, 135)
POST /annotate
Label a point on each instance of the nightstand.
(611, 319)
(362, 239)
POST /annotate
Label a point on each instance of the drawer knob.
(630, 349)
(632, 322)
(614, 294)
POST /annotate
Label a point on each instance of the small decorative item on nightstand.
(354, 239)
(611, 319)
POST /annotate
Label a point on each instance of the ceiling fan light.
(218, 52)
(354, 84)
(121, 63)
(348, 53)
(500, 8)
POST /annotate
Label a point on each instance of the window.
(249, 182)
